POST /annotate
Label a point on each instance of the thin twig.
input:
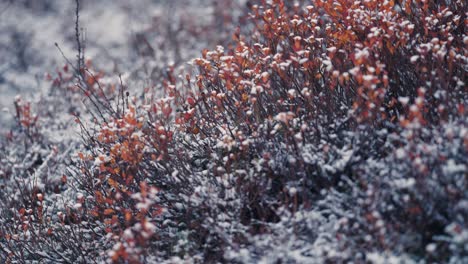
(80, 57)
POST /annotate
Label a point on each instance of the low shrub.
(327, 131)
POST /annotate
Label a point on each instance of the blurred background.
(138, 37)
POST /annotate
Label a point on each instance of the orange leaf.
(109, 211)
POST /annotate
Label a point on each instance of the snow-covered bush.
(323, 131)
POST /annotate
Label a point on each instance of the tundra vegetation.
(267, 132)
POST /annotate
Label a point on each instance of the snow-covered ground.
(30, 29)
